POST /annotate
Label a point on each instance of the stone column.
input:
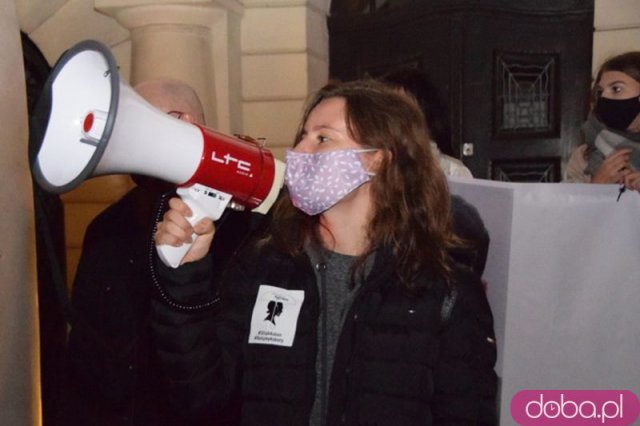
(19, 334)
(194, 41)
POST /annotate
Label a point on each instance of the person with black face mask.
(611, 153)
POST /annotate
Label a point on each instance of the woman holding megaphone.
(350, 309)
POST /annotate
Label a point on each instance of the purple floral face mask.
(318, 181)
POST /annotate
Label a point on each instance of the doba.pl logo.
(575, 407)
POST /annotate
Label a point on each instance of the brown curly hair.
(411, 201)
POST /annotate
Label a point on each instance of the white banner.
(563, 276)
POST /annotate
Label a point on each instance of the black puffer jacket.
(401, 360)
(112, 373)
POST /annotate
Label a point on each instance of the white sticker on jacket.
(275, 316)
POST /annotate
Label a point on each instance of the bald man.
(112, 375)
(172, 96)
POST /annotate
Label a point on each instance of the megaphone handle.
(203, 202)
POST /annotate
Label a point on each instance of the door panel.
(516, 76)
(535, 57)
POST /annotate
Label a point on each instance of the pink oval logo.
(575, 407)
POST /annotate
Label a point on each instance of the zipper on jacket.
(321, 268)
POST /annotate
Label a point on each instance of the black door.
(516, 73)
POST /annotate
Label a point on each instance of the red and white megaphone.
(98, 125)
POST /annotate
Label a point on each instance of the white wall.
(617, 29)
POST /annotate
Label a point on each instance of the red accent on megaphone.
(240, 167)
(88, 122)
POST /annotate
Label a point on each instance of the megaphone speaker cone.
(84, 81)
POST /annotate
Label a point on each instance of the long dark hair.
(411, 202)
